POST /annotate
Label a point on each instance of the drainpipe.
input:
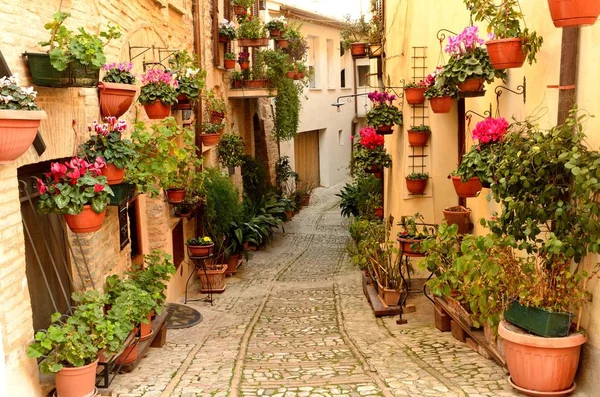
(569, 57)
(197, 26)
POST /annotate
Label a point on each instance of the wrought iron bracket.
(521, 90)
(469, 113)
(441, 34)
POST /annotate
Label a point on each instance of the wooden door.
(306, 152)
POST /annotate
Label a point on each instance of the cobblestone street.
(294, 322)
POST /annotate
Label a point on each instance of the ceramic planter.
(213, 278)
(17, 132)
(418, 139)
(506, 53)
(113, 174)
(183, 102)
(470, 188)
(116, 98)
(283, 43)
(460, 216)
(389, 297)
(442, 104)
(86, 221)
(406, 246)
(200, 250)
(175, 195)
(244, 65)
(209, 139)
(274, 33)
(77, 381)
(157, 110)
(75, 75)
(416, 186)
(358, 50)
(566, 13)
(539, 321)
(229, 64)
(540, 365)
(385, 129)
(471, 85)
(263, 42)
(415, 95)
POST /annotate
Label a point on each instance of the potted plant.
(20, 118)
(370, 154)
(230, 150)
(383, 115)
(511, 44)
(117, 89)
(158, 93)
(297, 45)
(216, 107)
(441, 98)
(211, 133)
(236, 79)
(189, 79)
(375, 37)
(108, 144)
(226, 31)
(240, 7)
(412, 234)
(353, 34)
(416, 182)
(229, 61)
(276, 26)
(418, 135)
(252, 33)
(74, 59)
(415, 92)
(460, 216)
(200, 246)
(574, 13)
(244, 60)
(469, 66)
(77, 190)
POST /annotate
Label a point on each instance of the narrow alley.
(294, 322)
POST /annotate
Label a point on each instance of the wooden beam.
(569, 57)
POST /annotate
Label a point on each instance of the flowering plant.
(410, 227)
(71, 185)
(278, 23)
(227, 29)
(159, 85)
(446, 90)
(420, 84)
(252, 28)
(370, 152)
(190, 82)
(243, 57)
(369, 139)
(199, 241)
(107, 143)
(15, 97)
(490, 130)
(383, 111)
(119, 73)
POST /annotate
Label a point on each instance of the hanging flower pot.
(385, 129)
(216, 117)
(375, 50)
(17, 132)
(244, 65)
(566, 13)
(291, 74)
(442, 104)
(183, 102)
(223, 39)
(157, 110)
(76, 381)
(375, 170)
(86, 221)
(113, 174)
(417, 138)
(229, 64)
(358, 50)
(471, 188)
(262, 42)
(506, 53)
(116, 98)
(460, 216)
(415, 95)
(416, 186)
(200, 250)
(239, 10)
(283, 43)
(209, 139)
(175, 195)
(274, 33)
(471, 85)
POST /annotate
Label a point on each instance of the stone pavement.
(294, 322)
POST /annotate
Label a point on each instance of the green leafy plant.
(278, 23)
(297, 43)
(383, 112)
(227, 29)
(361, 197)
(252, 28)
(436, 91)
(367, 158)
(153, 276)
(243, 3)
(230, 150)
(254, 178)
(413, 176)
(15, 97)
(158, 85)
(414, 227)
(190, 79)
(229, 56)
(376, 33)
(129, 307)
(108, 143)
(420, 128)
(287, 110)
(67, 46)
(285, 177)
(210, 128)
(118, 73)
(354, 31)
(214, 103)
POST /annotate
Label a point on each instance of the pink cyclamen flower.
(98, 188)
(41, 187)
(490, 130)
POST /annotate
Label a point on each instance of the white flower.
(6, 98)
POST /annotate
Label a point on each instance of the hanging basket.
(471, 85)
(263, 42)
(417, 138)
(441, 104)
(157, 110)
(17, 132)
(470, 188)
(45, 75)
(87, 221)
(274, 33)
(209, 139)
(283, 43)
(385, 129)
(569, 13)
(506, 53)
(113, 174)
(229, 64)
(183, 102)
(244, 65)
(415, 95)
(116, 98)
(358, 50)
(416, 186)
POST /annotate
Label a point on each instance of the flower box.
(212, 278)
(45, 75)
(389, 297)
(358, 50)
(539, 321)
(263, 42)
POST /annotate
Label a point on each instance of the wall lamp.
(339, 104)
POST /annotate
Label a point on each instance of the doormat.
(182, 316)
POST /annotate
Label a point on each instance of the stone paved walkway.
(294, 322)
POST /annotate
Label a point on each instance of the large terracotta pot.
(460, 216)
(17, 132)
(538, 364)
(200, 250)
(506, 53)
(129, 355)
(567, 13)
(358, 49)
(229, 64)
(209, 139)
(385, 130)
(283, 43)
(245, 65)
(263, 42)
(113, 174)
(175, 195)
(146, 329)
(157, 110)
(213, 278)
(470, 188)
(418, 139)
(441, 104)
(76, 382)
(86, 221)
(232, 264)
(116, 98)
(415, 95)
(416, 186)
(471, 85)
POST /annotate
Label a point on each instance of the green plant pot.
(123, 193)
(44, 74)
(539, 321)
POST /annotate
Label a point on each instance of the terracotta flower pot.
(471, 188)
(274, 33)
(213, 278)
(358, 49)
(385, 129)
(300, 76)
(116, 98)
(209, 139)
(416, 186)
(175, 195)
(567, 13)
(415, 95)
(262, 42)
(229, 64)
(223, 39)
(113, 174)
(17, 132)
(460, 216)
(76, 382)
(200, 250)
(406, 246)
(146, 329)
(238, 10)
(236, 84)
(232, 264)
(244, 65)
(129, 355)
(471, 85)
(86, 221)
(291, 74)
(183, 102)
(506, 53)
(157, 110)
(538, 364)
(261, 83)
(441, 104)
(389, 297)
(379, 212)
(283, 43)
(418, 139)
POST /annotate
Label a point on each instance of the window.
(312, 74)
(363, 71)
(178, 245)
(134, 229)
(341, 137)
(343, 78)
(331, 77)
(342, 52)
(313, 61)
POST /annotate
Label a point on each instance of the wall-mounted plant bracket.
(163, 53)
(469, 114)
(441, 34)
(521, 90)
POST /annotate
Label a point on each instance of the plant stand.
(378, 307)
